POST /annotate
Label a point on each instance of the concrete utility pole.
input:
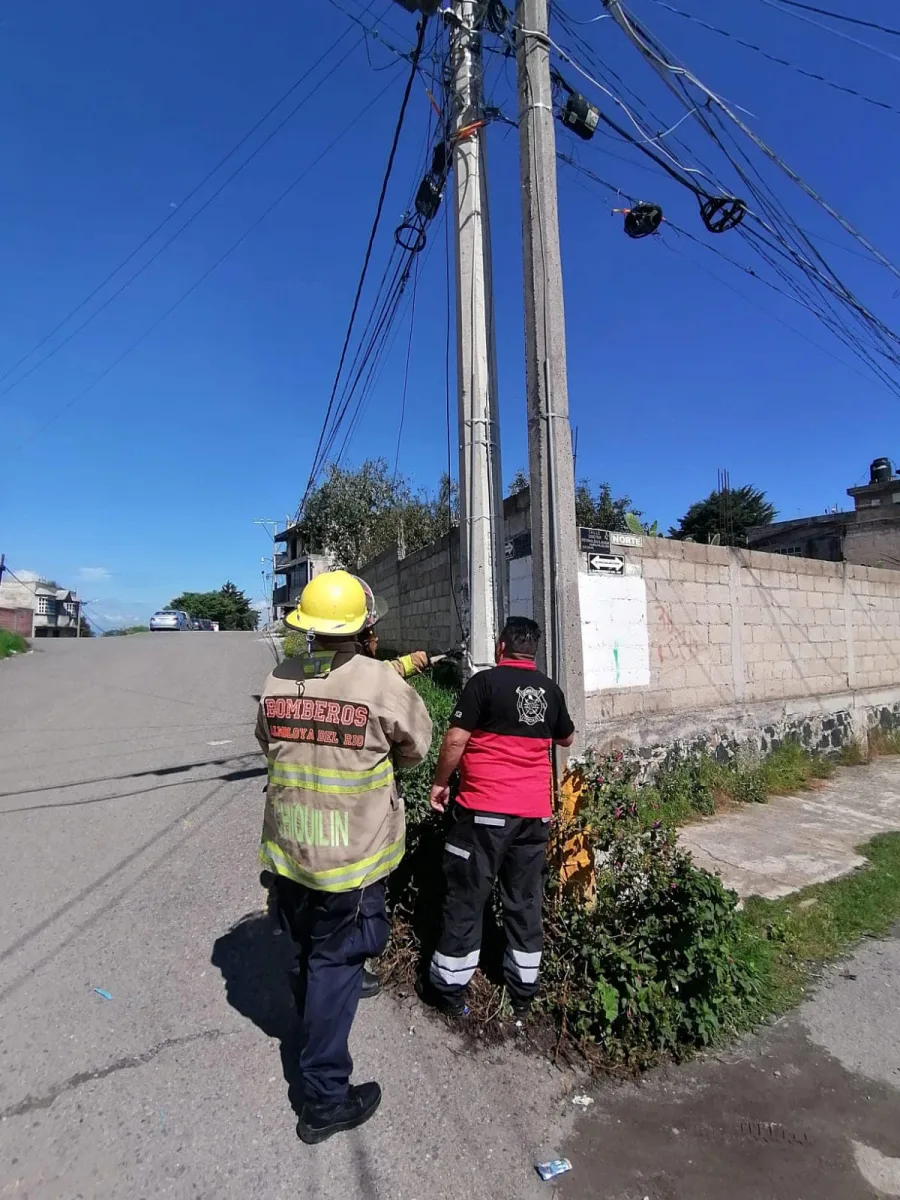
(482, 563)
(266, 522)
(553, 534)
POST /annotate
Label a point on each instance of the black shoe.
(455, 1007)
(371, 985)
(317, 1124)
(520, 1007)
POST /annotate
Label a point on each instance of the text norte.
(311, 826)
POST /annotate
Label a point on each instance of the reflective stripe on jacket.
(334, 820)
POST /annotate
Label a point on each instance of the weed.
(853, 755)
(884, 741)
(11, 643)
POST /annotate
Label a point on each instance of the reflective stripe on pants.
(480, 848)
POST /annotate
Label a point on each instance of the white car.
(169, 619)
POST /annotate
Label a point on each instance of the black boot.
(455, 1007)
(371, 985)
(316, 1124)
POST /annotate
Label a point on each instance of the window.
(793, 551)
(46, 606)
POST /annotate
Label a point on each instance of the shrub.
(651, 966)
(294, 644)
(11, 643)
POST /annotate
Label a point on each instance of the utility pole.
(266, 522)
(482, 563)
(553, 533)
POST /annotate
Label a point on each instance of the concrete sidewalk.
(774, 849)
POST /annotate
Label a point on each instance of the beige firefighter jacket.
(333, 735)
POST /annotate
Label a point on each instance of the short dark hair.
(521, 635)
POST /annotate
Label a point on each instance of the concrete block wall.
(734, 631)
(421, 609)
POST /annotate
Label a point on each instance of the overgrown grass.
(700, 786)
(884, 742)
(787, 940)
(11, 643)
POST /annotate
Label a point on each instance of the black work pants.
(480, 848)
(335, 933)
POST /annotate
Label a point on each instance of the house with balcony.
(297, 566)
(38, 609)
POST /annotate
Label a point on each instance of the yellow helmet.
(333, 603)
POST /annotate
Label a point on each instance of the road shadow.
(255, 957)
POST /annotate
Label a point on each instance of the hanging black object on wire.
(721, 213)
(641, 220)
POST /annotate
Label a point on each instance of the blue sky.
(111, 113)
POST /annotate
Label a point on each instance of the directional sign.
(625, 539)
(606, 564)
(593, 541)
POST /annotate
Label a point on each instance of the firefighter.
(406, 665)
(500, 736)
(334, 724)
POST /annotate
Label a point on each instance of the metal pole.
(555, 555)
(482, 564)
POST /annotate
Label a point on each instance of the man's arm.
(408, 665)
(463, 723)
(564, 729)
(262, 730)
(452, 747)
(408, 725)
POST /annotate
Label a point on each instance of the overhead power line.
(177, 212)
(316, 460)
(783, 62)
(799, 16)
(837, 16)
(667, 70)
(361, 112)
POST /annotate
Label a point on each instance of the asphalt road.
(130, 805)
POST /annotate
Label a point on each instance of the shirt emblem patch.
(532, 705)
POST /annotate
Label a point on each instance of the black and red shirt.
(514, 714)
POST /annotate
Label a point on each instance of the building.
(868, 535)
(36, 608)
(298, 566)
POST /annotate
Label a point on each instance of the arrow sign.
(606, 564)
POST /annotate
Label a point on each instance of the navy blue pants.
(335, 933)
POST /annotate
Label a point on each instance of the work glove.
(411, 664)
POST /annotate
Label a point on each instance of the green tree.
(355, 515)
(595, 509)
(228, 606)
(518, 483)
(725, 516)
(600, 509)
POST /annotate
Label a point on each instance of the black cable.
(824, 12)
(412, 325)
(463, 633)
(78, 307)
(368, 255)
(361, 112)
(775, 59)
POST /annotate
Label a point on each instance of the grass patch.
(787, 940)
(699, 786)
(11, 643)
(884, 742)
